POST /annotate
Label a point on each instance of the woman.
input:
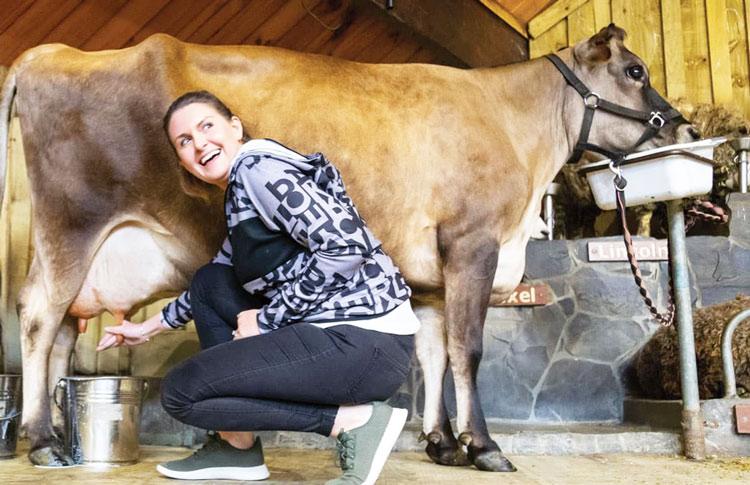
(305, 322)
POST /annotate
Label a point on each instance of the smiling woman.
(205, 135)
(300, 296)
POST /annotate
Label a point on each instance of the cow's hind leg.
(40, 320)
(442, 446)
(470, 263)
(59, 364)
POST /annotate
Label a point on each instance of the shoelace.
(345, 449)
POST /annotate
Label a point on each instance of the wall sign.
(648, 250)
(527, 295)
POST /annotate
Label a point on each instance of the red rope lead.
(698, 210)
(667, 317)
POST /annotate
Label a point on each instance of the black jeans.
(293, 378)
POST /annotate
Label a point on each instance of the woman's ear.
(236, 125)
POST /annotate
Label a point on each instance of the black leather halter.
(662, 114)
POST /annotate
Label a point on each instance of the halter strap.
(662, 114)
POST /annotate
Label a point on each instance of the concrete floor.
(315, 466)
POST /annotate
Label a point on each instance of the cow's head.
(614, 74)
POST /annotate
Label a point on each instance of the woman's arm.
(175, 314)
(178, 312)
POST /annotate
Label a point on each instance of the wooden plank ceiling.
(517, 13)
(351, 29)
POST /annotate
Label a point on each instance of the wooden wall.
(351, 29)
(696, 50)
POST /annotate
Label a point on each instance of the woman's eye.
(207, 126)
(184, 142)
(635, 72)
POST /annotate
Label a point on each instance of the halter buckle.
(591, 100)
(657, 120)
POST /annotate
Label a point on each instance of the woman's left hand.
(247, 324)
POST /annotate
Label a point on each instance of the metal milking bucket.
(10, 413)
(102, 418)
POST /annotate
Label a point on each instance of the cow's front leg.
(39, 321)
(469, 269)
(442, 446)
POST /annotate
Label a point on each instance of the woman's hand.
(129, 333)
(247, 324)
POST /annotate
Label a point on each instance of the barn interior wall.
(696, 50)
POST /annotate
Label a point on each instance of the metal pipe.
(548, 204)
(549, 216)
(727, 361)
(692, 417)
(741, 145)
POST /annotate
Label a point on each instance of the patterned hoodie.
(296, 238)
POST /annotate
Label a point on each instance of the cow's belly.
(129, 268)
(412, 244)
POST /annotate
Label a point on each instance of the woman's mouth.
(209, 156)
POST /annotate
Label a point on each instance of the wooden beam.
(552, 15)
(718, 47)
(465, 28)
(602, 14)
(674, 52)
(506, 16)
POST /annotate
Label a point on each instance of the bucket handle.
(60, 387)
(62, 384)
(12, 415)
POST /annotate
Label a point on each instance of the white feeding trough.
(665, 173)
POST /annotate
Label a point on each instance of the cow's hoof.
(489, 459)
(445, 451)
(50, 456)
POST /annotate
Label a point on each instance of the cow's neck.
(530, 100)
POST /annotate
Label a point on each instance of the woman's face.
(205, 141)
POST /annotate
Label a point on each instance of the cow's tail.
(6, 103)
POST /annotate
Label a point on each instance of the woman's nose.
(199, 141)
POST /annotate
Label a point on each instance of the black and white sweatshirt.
(296, 238)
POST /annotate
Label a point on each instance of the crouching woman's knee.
(176, 396)
(205, 279)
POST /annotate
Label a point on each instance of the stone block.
(578, 390)
(601, 339)
(601, 293)
(546, 259)
(503, 393)
(739, 224)
(568, 306)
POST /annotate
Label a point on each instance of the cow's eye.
(635, 72)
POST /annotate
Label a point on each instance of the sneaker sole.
(392, 431)
(259, 472)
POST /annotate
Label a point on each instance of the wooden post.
(15, 241)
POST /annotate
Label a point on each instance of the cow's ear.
(598, 48)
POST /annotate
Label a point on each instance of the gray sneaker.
(363, 450)
(218, 460)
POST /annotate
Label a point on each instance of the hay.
(657, 364)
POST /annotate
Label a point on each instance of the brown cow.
(448, 166)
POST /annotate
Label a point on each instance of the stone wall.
(570, 360)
